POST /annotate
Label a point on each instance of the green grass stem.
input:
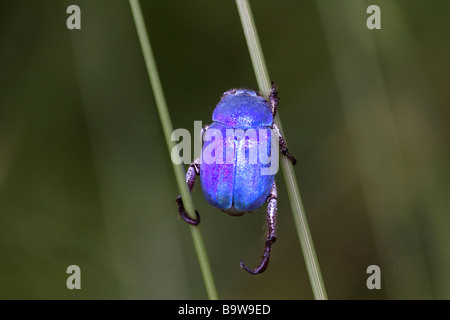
(263, 79)
(168, 129)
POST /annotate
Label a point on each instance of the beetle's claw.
(292, 158)
(255, 271)
(184, 214)
(264, 262)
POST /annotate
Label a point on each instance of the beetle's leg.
(192, 173)
(271, 236)
(273, 99)
(283, 147)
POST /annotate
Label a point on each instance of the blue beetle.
(229, 181)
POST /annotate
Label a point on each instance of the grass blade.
(168, 129)
(263, 79)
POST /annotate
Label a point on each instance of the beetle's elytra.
(232, 182)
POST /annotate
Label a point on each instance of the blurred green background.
(86, 179)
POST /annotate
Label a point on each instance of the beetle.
(230, 182)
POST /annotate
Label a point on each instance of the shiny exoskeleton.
(232, 182)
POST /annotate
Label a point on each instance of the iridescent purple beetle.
(240, 185)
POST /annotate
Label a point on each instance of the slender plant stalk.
(262, 77)
(168, 129)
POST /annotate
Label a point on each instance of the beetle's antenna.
(271, 236)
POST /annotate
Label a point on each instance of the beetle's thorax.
(243, 109)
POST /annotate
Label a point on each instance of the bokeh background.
(86, 179)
